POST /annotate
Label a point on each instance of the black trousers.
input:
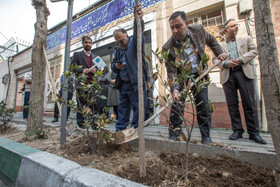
(81, 102)
(115, 108)
(56, 111)
(203, 112)
(238, 81)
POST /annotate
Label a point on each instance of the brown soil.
(163, 169)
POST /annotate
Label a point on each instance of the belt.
(126, 82)
(236, 68)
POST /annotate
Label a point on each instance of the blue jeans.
(128, 98)
(26, 104)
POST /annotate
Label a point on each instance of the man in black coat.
(83, 58)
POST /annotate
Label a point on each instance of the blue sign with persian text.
(107, 13)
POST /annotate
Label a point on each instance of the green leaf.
(103, 97)
(204, 58)
(181, 118)
(184, 137)
(211, 108)
(199, 103)
(148, 58)
(156, 105)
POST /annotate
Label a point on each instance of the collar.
(179, 43)
(188, 35)
(233, 40)
(87, 53)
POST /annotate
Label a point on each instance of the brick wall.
(220, 116)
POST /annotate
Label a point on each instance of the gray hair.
(225, 24)
(119, 30)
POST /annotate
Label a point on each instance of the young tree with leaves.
(195, 38)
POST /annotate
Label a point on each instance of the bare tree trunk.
(142, 166)
(269, 72)
(36, 103)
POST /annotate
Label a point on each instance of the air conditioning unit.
(5, 79)
(244, 6)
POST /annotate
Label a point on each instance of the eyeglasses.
(121, 42)
(234, 25)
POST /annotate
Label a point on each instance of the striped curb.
(11, 154)
(24, 166)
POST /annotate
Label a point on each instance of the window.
(55, 66)
(212, 23)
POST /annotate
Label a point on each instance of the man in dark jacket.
(125, 63)
(83, 58)
(198, 37)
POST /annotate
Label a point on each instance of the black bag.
(118, 82)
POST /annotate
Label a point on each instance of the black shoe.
(173, 137)
(55, 120)
(174, 134)
(206, 140)
(94, 126)
(82, 127)
(257, 138)
(235, 136)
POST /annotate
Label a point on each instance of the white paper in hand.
(98, 62)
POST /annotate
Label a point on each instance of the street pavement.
(65, 172)
(219, 136)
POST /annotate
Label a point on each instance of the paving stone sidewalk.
(219, 136)
(156, 138)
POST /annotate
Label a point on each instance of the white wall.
(19, 65)
(3, 87)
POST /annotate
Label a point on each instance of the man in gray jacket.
(237, 73)
(198, 37)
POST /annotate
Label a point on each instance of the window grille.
(212, 23)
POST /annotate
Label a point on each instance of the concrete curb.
(11, 154)
(23, 166)
(45, 169)
(266, 160)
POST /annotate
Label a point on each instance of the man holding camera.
(125, 63)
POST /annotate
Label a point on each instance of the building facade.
(99, 22)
